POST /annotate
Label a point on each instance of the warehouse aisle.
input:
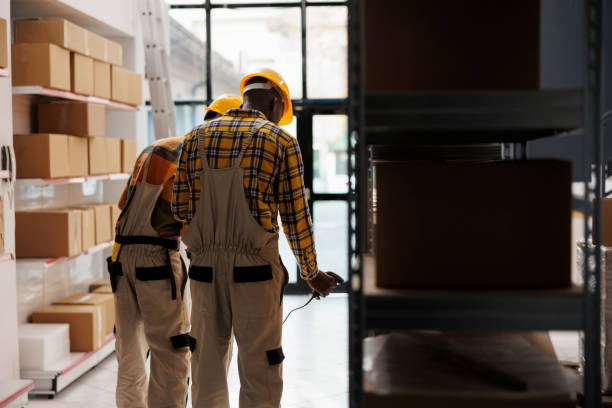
(315, 368)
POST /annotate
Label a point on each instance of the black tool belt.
(114, 268)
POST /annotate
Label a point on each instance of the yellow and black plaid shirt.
(273, 177)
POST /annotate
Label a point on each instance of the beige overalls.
(237, 280)
(148, 278)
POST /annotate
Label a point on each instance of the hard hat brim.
(287, 117)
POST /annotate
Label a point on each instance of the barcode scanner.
(315, 295)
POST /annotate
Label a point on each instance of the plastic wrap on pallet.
(606, 315)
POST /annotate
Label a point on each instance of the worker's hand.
(323, 284)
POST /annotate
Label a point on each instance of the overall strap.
(248, 141)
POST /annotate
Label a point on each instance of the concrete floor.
(315, 368)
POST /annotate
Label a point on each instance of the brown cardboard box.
(96, 46)
(606, 222)
(105, 301)
(128, 155)
(81, 74)
(41, 64)
(72, 118)
(86, 324)
(78, 156)
(134, 88)
(113, 155)
(114, 53)
(102, 80)
(103, 221)
(104, 289)
(51, 30)
(97, 284)
(42, 155)
(115, 213)
(97, 160)
(48, 233)
(88, 228)
(3, 44)
(468, 46)
(450, 225)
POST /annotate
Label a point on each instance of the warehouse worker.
(149, 278)
(234, 176)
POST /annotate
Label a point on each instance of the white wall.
(9, 349)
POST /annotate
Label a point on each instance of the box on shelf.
(51, 30)
(77, 152)
(105, 301)
(42, 155)
(115, 213)
(104, 289)
(42, 346)
(606, 221)
(114, 53)
(427, 370)
(81, 74)
(128, 155)
(96, 46)
(72, 118)
(86, 324)
(47, 233)
(88, 227)
(3, 44)
(41, 64)
(126, 86)
(97, 284)
(469, 225)
(102, 80)
(113, 155)
(97, 155)
(103, 221)
(450, 50)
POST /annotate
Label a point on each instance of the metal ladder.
(155, 29)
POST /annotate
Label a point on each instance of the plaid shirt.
(273, 178)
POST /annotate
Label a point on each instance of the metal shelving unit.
(461, 124)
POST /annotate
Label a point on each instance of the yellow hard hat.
(224, 103)
(279, 81)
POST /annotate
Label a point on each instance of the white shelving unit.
(4, 72)
(53, 381)
(14, 393)
(39, 182)
(56, 93)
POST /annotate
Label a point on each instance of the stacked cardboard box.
(105, 301)
(128, 155)
(103, 223)
(59, 54)
(126, 86)
(42, 346)
(3, 44)
(85, 321)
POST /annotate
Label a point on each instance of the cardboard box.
(128, 156)
(126, 86)
(86, 324)
(104, 289)
(72, 118)
(606, 222)
(102, 80)
(88, 228)
(77, 153)
(42, 346)
(114, 53)
(450, 225)
(113, 155)
(47, 233)
(51, 30)
(115, 213)
(468, 46)
(81, 74)
(97, 160)
(97, 284)
(41, 64)
(103, 222)
(3, 44)
(105, 301)
(42, 155)
(96, 46)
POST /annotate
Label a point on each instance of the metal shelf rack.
(457, 124)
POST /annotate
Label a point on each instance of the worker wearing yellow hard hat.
(235, 175)
(149, 278)
(221, 105)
